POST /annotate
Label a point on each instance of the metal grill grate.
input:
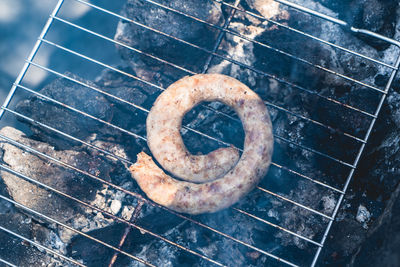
(348, 164)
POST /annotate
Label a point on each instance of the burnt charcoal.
(94, 103)
(345, 238)
(38, 168)
(289, 216)
(137, 243)
(138, 94)
(393, 101)
(382, 154)
(93, 253)
(376, 184)
(129, 101)
(151, 215)
(382, 245)
(18, 251)
(210, 122)
(125, 87)
(303, 74)
(64, 119)
(378, 16)
(5, 206)
(172, 24)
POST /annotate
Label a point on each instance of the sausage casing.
(194, 198)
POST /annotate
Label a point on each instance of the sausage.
(217, 193)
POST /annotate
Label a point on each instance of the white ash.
(267, 8)
(329, 204)
(363, 216)
(273, 214)
(55, 242)
(109, 200)
(127, 212)
(240, 50)
(115, 206)
(300, 220)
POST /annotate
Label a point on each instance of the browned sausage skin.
(189, 197)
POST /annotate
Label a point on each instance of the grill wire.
(234, 8)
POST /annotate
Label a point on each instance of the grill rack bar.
(281, 80)
(191, 72)
(34, 243)
(128, 192)
(139, 197)
(140, 52)
(186, 127)
(224, 29)
(7, 263)
(139, 107)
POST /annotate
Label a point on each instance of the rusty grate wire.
(349, 165)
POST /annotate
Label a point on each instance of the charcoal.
(19, 252)
(51, 174)
(68, 181)
(375, 185)
(92, 102)
(385, 233)
(93, 253)
(172, 24)
(138, 94)
(62, 118)
(375, 15)
(303, 74)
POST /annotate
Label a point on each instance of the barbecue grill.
(332, 169)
